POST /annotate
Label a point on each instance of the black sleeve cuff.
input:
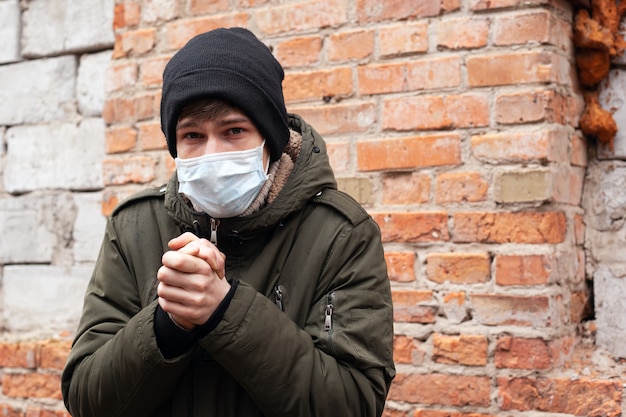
(218, 314)
(171, 339)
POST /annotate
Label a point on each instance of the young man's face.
(229, 131)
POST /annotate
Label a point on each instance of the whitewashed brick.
(9, 31)
(37, 91)
(54, 27)
(26, 236)
(43, 299)
(89, 226)
(154, 10)
(613, 98)
(90, 83)
(610, 309)
(57, 156)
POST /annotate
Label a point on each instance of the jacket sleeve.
(115, 361)
(341, 363)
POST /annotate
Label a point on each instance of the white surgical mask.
(222, 184)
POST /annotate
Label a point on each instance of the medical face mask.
(222, 184)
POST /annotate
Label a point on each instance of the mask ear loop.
(267, 164)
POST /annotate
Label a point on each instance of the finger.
(182, 240)
(186, 263)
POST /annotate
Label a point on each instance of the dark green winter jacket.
(308, 331)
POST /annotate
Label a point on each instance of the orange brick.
(111, 197)
(500, 4)
(454, 307)
(469, 350)
(407, 350)
(413, 152)
(120, 139)
(517, 68)
(436, 413)
(400, 266)
(460, 187)
(40, 412)
(19, 355)
(119, 110)
(298, 52)
(303, 16)
(31, 385)
(134, 169)
(442, 389)
(547, 145)
(579, 151)
(151, 137)
(406, 188)
(435, 112)
(413, 306)
(197, 7)
(381, 78)
(466, 33)
(121, 75)
(519, 353)
(252, 3)
(146, 106)
(351, 45)
(519, 227)
(338, 155)
(323, 84)
(523, 269)
(182, 30)
(337, 119)
(522, 28)
(387, 412)
(403, 39)
(380, 10)
(500, 310)
(151, 71)
(458, 268)
(135, 42)
(8, 411)
(413, 227)
(126, 15)
(53, 354)
(581, 397)
(579, 228)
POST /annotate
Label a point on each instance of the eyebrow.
(222, 121)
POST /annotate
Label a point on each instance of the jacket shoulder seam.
(343, 203)
(149, 193)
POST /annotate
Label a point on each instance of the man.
(248, 286)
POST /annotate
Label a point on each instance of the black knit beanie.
(230, 65)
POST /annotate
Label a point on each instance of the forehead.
(209, 109)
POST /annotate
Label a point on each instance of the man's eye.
(192, 135)
(236, 130)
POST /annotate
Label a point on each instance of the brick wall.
(454, 122)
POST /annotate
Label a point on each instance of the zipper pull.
(328, 317)
(214, 224)
(278, 292)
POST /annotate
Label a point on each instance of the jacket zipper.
(214, 224)
(328, 313)
(278, 293)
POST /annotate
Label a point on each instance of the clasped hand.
(191, 280)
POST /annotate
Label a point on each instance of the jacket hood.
(311, 174)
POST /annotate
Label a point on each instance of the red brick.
(403, 39)
(351, 45)
(252, 3)
(400, 266)
(338, 155)
(580, 397)
(519, 353)
(182, 30)
(436, 413)
(477, 5)
(407, 350)
(197, 7)
(458, 268)
(338, 119)
(318, 85)
(31, 385)
(498, 310)
(517, 68)
(448, 6)
(413, 227)
(19, 355)
(151, 71)
(579, 151)
(435, 112)
(413, 306)
(379, 10)
(135, 42)
(461, 187)
(126, 15)
(9, 411)
(469, 350)
(523, 269)
(120, 139)
(134, 169)
(381, 78)
(531, 106)
(466, 33)
(387, 412)
(121, 75)
(53, 354)
(151, 136)
(519, 227)
(412, 152)
(406, 188)
(303, 16)
(547, 145)
(579, 228)
(146, 106)
(522, 28)
(296, 52)
(443, 389)
(39, 412)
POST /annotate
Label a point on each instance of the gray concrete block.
(10, 24)
(613, 98)
(610, 308)
(90, 83)
(89, 227)
(55, 27)
(43, 299)
(55, 156)
(37, 91)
